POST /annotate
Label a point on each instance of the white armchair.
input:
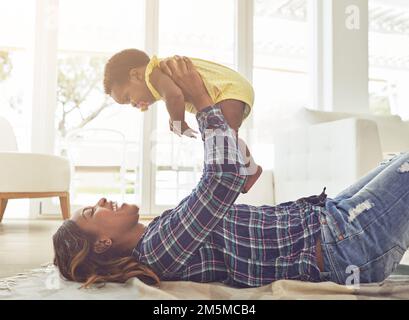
(30, 175)
(333, 150)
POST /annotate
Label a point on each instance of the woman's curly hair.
(77, 261)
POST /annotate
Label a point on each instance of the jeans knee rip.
(360, 208)
(404, 168)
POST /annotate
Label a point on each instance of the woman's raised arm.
(176, 235)
(184, 74)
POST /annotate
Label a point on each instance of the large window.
(107, 143)
(102, 139)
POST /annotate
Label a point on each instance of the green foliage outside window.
(80, 93)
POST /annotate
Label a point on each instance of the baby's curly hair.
(120, 64)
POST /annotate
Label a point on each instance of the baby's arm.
(171, 93)
(175, 102)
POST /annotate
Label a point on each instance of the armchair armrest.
(30, 172)
(331, 154)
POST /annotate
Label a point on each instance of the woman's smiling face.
(106, 219)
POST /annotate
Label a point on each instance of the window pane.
(115, 25)
(389, 58)
(178, 160)
(16, 23)
(278, 94)
(15, 103)
(101, 138)
(200, 29)
(280, 70)
(280, 34)
(16, 35)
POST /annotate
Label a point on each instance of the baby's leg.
(233, 112)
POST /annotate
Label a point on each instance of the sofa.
(320, 149)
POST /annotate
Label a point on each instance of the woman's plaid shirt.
(207, 238)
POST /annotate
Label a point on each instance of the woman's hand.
(185, 75)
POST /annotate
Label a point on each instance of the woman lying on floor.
(363, 232)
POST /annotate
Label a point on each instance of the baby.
(131, 77)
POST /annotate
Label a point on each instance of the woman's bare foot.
(251, 180)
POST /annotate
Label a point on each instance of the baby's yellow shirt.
(221, 82)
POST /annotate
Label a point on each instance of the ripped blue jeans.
(365, 229)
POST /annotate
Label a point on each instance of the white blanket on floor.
(45, 283)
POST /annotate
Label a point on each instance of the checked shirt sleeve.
(176, 236)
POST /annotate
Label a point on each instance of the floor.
(26, 245)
